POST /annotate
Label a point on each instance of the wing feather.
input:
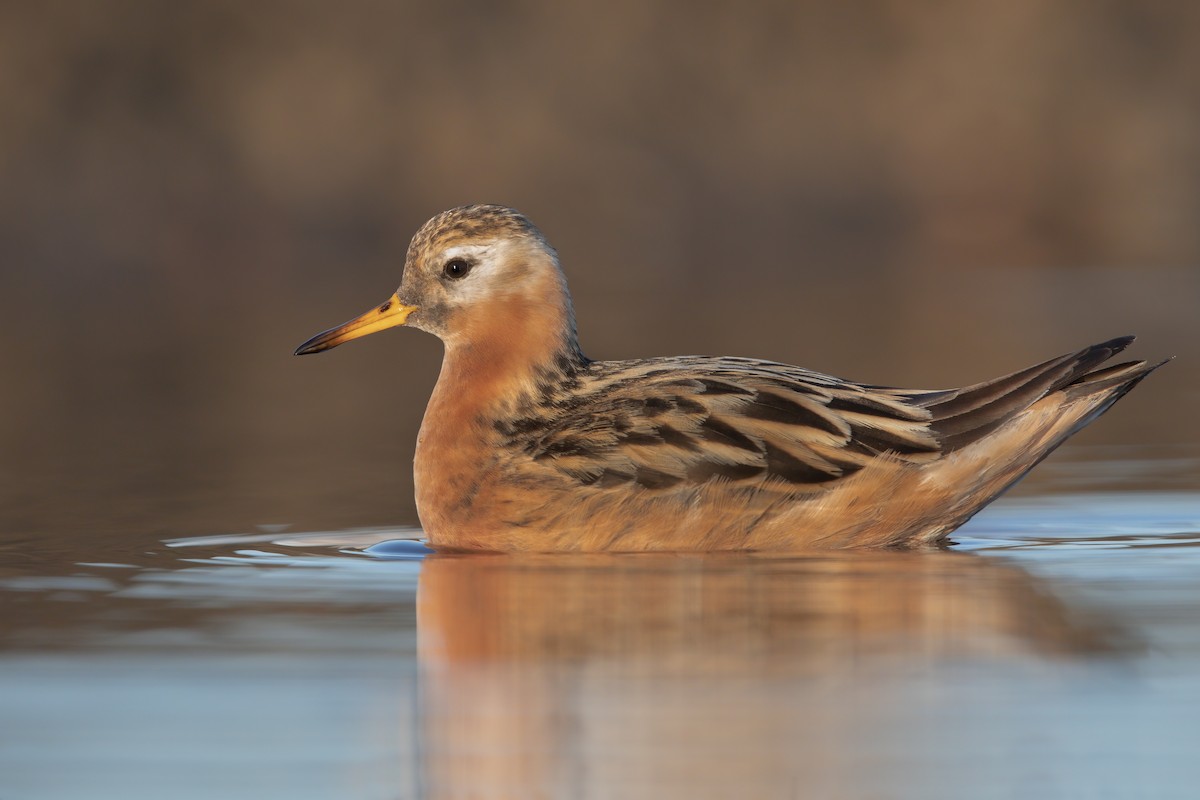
(667, 423)
(720, 420)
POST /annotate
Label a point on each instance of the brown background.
(917, 194)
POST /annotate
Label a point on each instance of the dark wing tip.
(971, 413)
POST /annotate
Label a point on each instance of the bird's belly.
(498, 506)
(475, 505)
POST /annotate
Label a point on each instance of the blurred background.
(911, 194)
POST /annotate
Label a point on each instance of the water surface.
(1053, 651)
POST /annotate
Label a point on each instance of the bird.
(527, 445)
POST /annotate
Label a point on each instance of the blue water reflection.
(1052, 652)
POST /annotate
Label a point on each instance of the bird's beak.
(388, 315)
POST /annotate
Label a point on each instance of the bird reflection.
(703, 675)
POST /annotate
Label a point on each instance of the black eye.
(456, 268)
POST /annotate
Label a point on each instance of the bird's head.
(474, 271)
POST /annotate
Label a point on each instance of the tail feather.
(1127, 374)
(962, 417)
(1078, 390)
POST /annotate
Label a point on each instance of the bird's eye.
(456, 268)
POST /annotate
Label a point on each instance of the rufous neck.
(499, 357)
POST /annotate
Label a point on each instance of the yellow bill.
(388, 315)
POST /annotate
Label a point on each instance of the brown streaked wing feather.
(707, 419)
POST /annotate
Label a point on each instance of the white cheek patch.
(473, 286)
(488, 275)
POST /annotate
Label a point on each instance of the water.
(1053, 652)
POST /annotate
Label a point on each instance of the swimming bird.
(528, 445)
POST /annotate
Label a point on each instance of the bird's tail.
(995, 432)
